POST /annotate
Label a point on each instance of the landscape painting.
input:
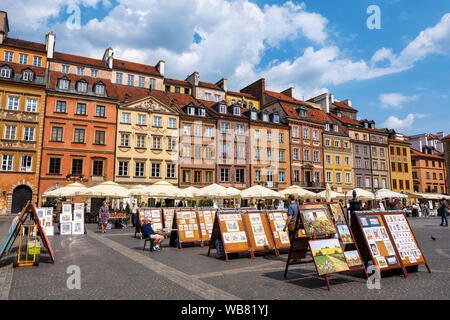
(353, 259)
(317, 220)
(328, 256)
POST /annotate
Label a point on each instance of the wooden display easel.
(28, 212)
(254, 247)
(219, 228)
(141, 216)
(273, 228)
(178, 237)
(204, 234)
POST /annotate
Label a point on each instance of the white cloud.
(402, 124)
(396, 100)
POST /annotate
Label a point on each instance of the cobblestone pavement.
(113, 266)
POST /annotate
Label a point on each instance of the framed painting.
(328, 256)
(317, 220)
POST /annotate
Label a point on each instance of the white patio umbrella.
(190, 190)
(386, 193)
(106, 189)
(214, 191)
(235, 192)
(298, 192)
(332, 194)
(69, 190)
(260, 192)
(164, 190)
(361, 194)
(136, 189)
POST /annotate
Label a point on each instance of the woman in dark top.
(103, 216)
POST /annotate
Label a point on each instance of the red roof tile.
(284, 97)
(18, 68)
(180, 100)
(209, 85)
(242, 94)
(416, 153)
(135, 67)
(24, 44)
(446, 137)
(71, 58)
(177, 82)
(127, 94)
(399, 141)
(343, 105)
(432, 137)
(345, 119)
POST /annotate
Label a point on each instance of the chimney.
(289, 92)
(160, 66)
(257, 89)
(223, 83)
(331, 98)
(4, 26)
(50, 44)
(108, 57)
(193, 79)
(347, 102)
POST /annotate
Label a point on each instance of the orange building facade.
(428, 172)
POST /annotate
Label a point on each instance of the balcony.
(311, 185)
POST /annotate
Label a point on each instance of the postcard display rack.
(389, 240)
(46, 220)
(206, 222)
(185, 228)
(155, 217)
(327, 237)
(259, 232)
(277, 222)
(168, 214)
(71, 222)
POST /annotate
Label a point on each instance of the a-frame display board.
(206, 223)
(378, 241)
(277, 222)
(168, 214)
(230, 229)
(154, 215)
(259, 234)
(404, 239)
(346, 238)
(28, 212)
(186, 227)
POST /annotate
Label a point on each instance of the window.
(375, 183)
(240, 129)
(130, 80)
(338, 160)
(347, 161)
(296, 154)
(348, 178)
(156, 170)
(186, 150)
(7, 162)
(99, 89)
(81, 109)
(338, 177)
(152, 83)
(365, 151)
(142, 120)
(140, 141)
(167, 88)
(198, 131)
(296, 176)
(13, 103)
(265, 117)
(80, 71)
(375, 165)
(295, 132)
(65, 68)
(269, 135)
(57, 134)
(208, 96)
(54, 166)
(81, 86)
(327, 127)
(197, 152)
(240, 175)
(327, 142)
(5, 72)
(374, 151)
(237, 111)
(258, 175)
(315, 135)
(27, 75)
(119, 77)
(337, 143)
(156, 143)
(187, 129)
(225, 127)
(208, 177)
(8, 56)
(26, 164)
(257, 135)
(23, 58)
(126, 117)
(97, 170)
(94, 73)
(171, 143)
(406, 167)
(316, 156)
(281, 137)
(141, 82)
(100, 111)
(217, 98)
(358, 163)
(276, 118)
(383, 166)
(381, 152)
(328, 159)
(77, 166)
(123, 168)
(28, 133)
(170, 170)
(269, 155)
(359, 182)
(253, 115)
(63, 84)
(281, 176)
(306, 155)
(10, 132)
(99, 137)
(186, 175)
(356, 148)
(346, 145)
(124, 139)
(367, 183)
(197, 176)
(329, 176)
(257, 154)
(202, 112)
(240, 151)
(172, 123)
(305, 134)
(225, 149)
(31, 105)
(209, 152)
(224, 174)
(139, 170)
(281, 155)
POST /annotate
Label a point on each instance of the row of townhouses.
(67, 118)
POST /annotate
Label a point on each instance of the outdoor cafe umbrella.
(214, 191)
(235, 192)
(331, 194)
(190, 190)
(361, 194)
(260, 192)
(164, 190)
(106, 189)
(386, 193)
(298, 192)
(69, 190)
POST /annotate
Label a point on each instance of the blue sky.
(397, 76)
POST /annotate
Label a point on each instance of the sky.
(396, 74)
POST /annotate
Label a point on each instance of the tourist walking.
(443, 210)
(103, 216)
(134, 212)
(425, 210)
(292, 216)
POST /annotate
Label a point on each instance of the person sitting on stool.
(147, 231)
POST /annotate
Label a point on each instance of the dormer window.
(5, 72)
(99, 88)
(339, 114)
(63, 84)
(237, 111)
(276, 118)
(27, 75)
(327, 126)
(335, 127)
(253, 115)
(191, 111)
(372, 125)
(303, 112)
(366, 125)
(223, 108)
(81, 86)
(202, 112)
(265, 117)
(233, 101)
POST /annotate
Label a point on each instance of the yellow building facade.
(338, 161)
(247, 100)
(400, 166)
(147, 141)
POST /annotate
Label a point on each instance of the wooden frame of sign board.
(267, 232)
(220, 228)
(406, 262)
(28, 211)
(346, 247)
(273, 228)
(380, 246)
(300, 240)
(179, 234)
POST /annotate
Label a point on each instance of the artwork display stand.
(154, 214)
(185, 228)
(28, 212)
(277, 220)
(258, 232)
(205, 223)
